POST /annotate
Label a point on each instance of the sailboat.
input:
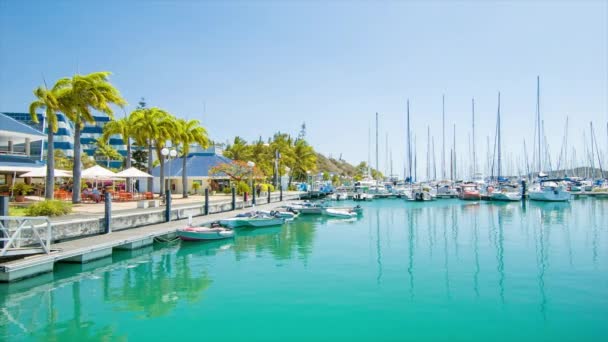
(503, 191)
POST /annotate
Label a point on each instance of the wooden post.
(107, 217)
(206, 201)
(168, 205)
(233, 198)
(280, 193)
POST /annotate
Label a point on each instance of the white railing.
(39, 241)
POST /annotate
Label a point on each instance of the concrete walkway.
(99, 246)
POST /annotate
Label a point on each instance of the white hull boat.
(505, 196)
(204, 233)
(341, 213)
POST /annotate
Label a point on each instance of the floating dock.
(96, 247)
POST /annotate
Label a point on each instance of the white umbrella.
(41, 173)
(133, 173)
(98, 172)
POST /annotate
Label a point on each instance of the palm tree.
(305, 159)
(189, 131)
(153, 127)
(239, 150)
(87, 93)
(122, 127)
(47, 100)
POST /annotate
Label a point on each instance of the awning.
(41, 172)
(97, 172)
(133, 173)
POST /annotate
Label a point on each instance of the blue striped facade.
(64, 137)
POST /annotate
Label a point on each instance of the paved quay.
(94, 247)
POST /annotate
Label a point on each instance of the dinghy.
(213, 232)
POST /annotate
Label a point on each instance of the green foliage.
(325, 176)
(292, 187)
(62, 162)
(196, 186)
(140, 160)
(49, 208)
(263, 187)
(226, 190)
(335, 180)
(21, 189)
(107, 151)
(271, 188)
(238, 150)
(242, 187)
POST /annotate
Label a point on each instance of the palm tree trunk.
(150, 180)
(49, 186)
(184, 175)
(77, 164)
(128, 164)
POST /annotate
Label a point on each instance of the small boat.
(286, 214)
(422, 196)
(252, 219)
(469, 192)
(308, 208)
(340, 212)
(360, 196)
(213, 232)
(550, 190)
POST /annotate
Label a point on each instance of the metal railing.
(17, 241)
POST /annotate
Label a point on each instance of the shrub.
(292, 187)
(22, 189)
(196, 186)
(49, 208)
(263, 187)
(270, 188)
(226, 190)
(242, 187)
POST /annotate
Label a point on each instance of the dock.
(96, 247)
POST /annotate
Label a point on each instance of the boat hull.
(200, 235)
(265, 222)
(340, 213)
(549, 196)
(470, 196)
(505, 196)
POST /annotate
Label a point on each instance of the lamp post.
(308, 180)
(275, 170)
(168, 154)
(251, 181)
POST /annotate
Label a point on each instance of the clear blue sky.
(265, 66)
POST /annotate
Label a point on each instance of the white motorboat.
(505, 193)
(339, 212)
(213, 232)
(361, 196)
(550, 190)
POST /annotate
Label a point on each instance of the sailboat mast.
(443, 137)
(428, 153)
(474, 155)
(539, 122)
(592, 150)
(498, 136)
(377, 166)
(434, 160)
(455, 173)
(409, 143)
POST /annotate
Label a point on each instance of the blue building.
(64, 138)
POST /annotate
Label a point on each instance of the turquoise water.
(446, 270)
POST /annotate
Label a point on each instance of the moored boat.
(340, 212)
(213, 232)
(252, 219)
(550, 190)
(469, 192)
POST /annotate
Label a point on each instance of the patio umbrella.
(98, 172)
(41, 173)
(133, 173)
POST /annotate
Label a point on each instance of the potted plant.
(20, 190)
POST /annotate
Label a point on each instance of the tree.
(282, 144)
(335, 180)
(85, 94)
(48, 100)
(305, 159)
(153, 128)
(325, 176)
(107, 151)
(62, 162)
(124, 128)
(188, 132)
(140, 160)
(237, 170)
(239, 150)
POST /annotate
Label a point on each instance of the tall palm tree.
(239, 150)
(86, 94)
(124, 128)
(153, 128)
(188, 132)
(47, 100)
(305, 159)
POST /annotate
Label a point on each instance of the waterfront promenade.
(93, 247)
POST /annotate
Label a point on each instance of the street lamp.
(168, 154)
(308, 180)
(275, 171)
